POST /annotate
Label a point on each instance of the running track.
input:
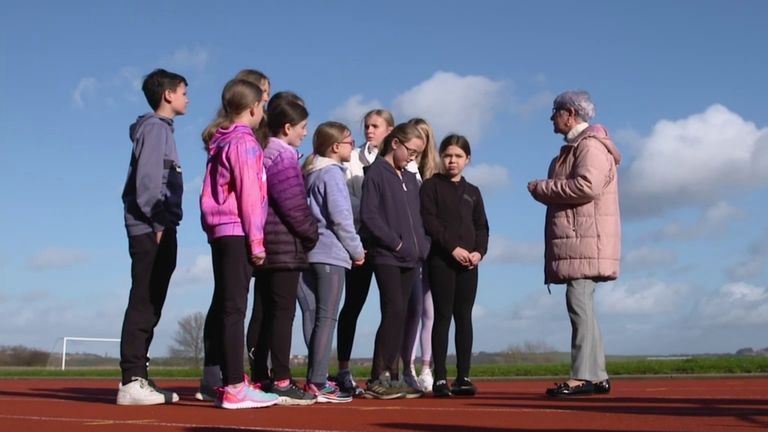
(648, 404)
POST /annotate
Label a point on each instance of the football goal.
(85, 352)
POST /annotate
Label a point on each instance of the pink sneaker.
(327, 393)
(243, 395)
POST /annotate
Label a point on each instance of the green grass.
(700, 365)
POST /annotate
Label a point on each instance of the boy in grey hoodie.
(152, 203)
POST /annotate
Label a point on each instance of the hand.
(474, 258)
(397, 249)
(461, 255)
(532, 185)
(158, 236)
(258, 259)
(358, 263)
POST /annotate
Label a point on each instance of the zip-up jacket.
(291, 229)
(234, 197)
(390, 216)
(454, 216)
(154, 186)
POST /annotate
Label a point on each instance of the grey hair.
(579, 100)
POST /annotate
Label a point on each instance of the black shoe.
(463, 387)
(602, 387)
(586, 388)
(440, 388)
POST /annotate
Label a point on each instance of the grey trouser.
(587, 356)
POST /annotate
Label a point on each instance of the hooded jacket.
(290, 231)
(582, 225)
(154, 186)
(234, 197)
(338, 242)
(391, 217)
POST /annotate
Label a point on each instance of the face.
(178, 99)
(257, 114)
(345, 146)
(376, 128)
(403, 153)
(454, 161)
(295, 134)
(266, 90)
(560, 119)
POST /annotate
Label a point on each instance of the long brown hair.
(259, 78)
(238, 95)
(429, 160)
(326, 135)
(403, 132)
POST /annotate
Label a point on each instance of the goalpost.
(87, 339)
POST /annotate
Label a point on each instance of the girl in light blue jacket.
(337, 249)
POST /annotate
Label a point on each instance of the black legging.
(358, 283)
(271, 325)
(395, 285)
(453, 293)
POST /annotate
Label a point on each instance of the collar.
(575, 131)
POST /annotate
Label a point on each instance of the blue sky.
(681, 91)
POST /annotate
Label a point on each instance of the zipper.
(410, 219)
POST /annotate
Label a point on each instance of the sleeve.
(340, 219)
(591, 168)
(480, 222)
(247, 163)
(433, 226)
(150, 152)
(370, 213)
(288, 197)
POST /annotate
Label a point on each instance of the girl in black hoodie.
(454, 218)
(394, 234)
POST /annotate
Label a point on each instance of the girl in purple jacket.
(289, 233)
(232, 205)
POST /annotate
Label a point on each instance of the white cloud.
(487, 177)
(86, 87)
(713, 221)
(452, 103)
(737, 304)
(695, 161)
(186, 58)
(505, 251)
(200, 271)
(535, 103)
(55, 257)
(646, 258)
(641, 297)
(352, 111)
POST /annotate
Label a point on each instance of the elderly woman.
(582, 232)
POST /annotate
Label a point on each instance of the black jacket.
(389, 212)
(454, 216)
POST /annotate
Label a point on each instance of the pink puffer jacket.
(583, 227)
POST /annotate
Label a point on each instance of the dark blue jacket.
(390, 216)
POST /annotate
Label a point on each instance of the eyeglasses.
(350, 142)
(411, 152)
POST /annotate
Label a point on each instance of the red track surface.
(679, 404)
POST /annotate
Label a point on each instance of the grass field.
(700, 365)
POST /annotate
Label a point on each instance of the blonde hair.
(403, 132)
(238, 95)
(386, 115)
(429, 160)
(326, 135)
(259, 78)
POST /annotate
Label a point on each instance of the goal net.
(84, 352)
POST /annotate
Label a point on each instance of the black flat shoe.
(440, 389)
(463, 387)
(586, 388)
(602, 387)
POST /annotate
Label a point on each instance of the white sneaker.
(141, 392)
(426, 380)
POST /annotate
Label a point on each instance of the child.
(377, 124)
(232, 206)
(391, 224)
(338, 248)
(152, 205)
(420, 308)
(290, 232)
(454, 218)
(211, 370)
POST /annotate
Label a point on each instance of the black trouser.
(358, 283)
(271, 326)
(152, 265)
(395, 285)
(453, 293)
(232, 273)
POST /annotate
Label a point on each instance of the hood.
(319, 162)
(142, 120)
(223, 136)
(600, 133)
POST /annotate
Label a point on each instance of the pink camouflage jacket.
(582, 227)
